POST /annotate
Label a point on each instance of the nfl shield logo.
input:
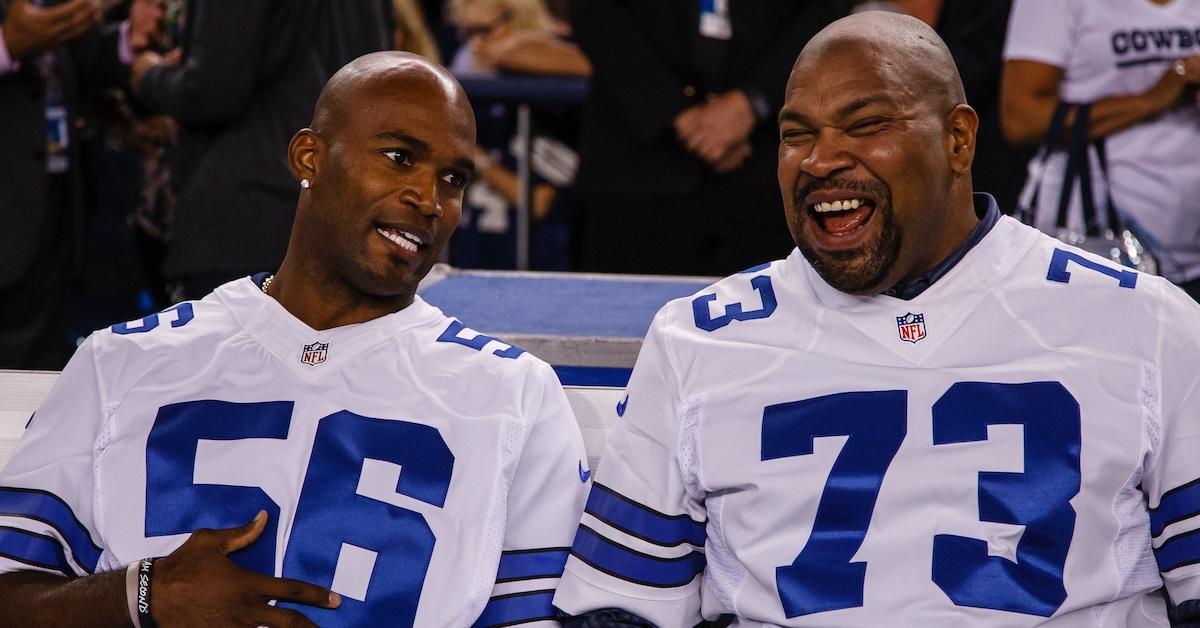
(314, 354)
(911, 327)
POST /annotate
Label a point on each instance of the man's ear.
(304, 154)
(963, 123)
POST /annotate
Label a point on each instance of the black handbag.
(1117, 237)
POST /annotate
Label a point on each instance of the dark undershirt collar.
(988, 212)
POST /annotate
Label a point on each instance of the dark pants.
(716, 232)
(34, 312)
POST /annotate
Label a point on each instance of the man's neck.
(327, 303)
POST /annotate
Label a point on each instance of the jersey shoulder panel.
(1071, 297)
(726, 306)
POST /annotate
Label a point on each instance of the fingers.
(298, 591)
(231, 540)
(280, 618)
(69, 20)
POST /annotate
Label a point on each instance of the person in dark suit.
(974, 31)
(249, 76)
(50, 54)
(679, 131)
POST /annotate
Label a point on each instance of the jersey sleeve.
(1040, 30)
(46, 489)
(640, 541)
(1172, 478)
(544, 505)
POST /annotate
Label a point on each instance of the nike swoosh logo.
(584, 474)
(621, 406)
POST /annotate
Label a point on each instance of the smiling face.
(869, 165)
(389, 159)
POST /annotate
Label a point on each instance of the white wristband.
(131, 592)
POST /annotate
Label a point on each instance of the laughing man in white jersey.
(319, 446)
(928, 415)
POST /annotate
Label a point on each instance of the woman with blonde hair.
(412, 31)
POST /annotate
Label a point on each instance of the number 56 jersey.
(431, 475)
(1016, 446)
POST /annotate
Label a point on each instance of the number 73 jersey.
(429, 474)
(1016, 446)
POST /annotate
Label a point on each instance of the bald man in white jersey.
(394, 467)
(927, 415)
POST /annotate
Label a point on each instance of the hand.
(30, 30)
(732, 159)
(198, 586)
(145, 18)
(714, 129)
(1191, 69)
(141, 65)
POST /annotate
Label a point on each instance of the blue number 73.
(822, 578)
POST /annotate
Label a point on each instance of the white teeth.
(404, 239)
(838, 206)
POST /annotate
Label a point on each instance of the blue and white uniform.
(1013, 446)
(429, 474)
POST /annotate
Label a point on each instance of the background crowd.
(143, 159)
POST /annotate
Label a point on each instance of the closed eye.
(794, 135)
(867, 126)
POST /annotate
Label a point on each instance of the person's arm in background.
(27, 31)
(216, 79)
(540, 53)
(1029, 93)
(503, 180)
(1037, 49)
(634, 77)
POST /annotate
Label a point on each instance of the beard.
(858, 271)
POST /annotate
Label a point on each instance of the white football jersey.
(1016, 446)
(431, 475)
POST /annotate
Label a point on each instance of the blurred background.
(143, 159)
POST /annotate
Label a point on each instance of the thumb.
(231, 540)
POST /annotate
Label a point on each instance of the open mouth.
(842, 217)
(406, 240)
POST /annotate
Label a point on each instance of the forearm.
(40, 599)
(505, 182)
(545, 56)
(1026, 121)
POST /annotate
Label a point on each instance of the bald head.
(904, 46)
(344, 93)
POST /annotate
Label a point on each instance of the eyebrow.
(788, 115)
(401, 137)
(861, 103)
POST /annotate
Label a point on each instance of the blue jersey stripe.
(1176, 505)
(644, 523)
(621, 562)
(1179, 551)
(529, 564)
(54, 512)
(517, 608)
(34, 549)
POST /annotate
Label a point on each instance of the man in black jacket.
(249, 76)
(679, 139)
(51, 52)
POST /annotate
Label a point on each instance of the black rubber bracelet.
(145, 578)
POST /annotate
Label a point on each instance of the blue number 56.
(329, 512)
